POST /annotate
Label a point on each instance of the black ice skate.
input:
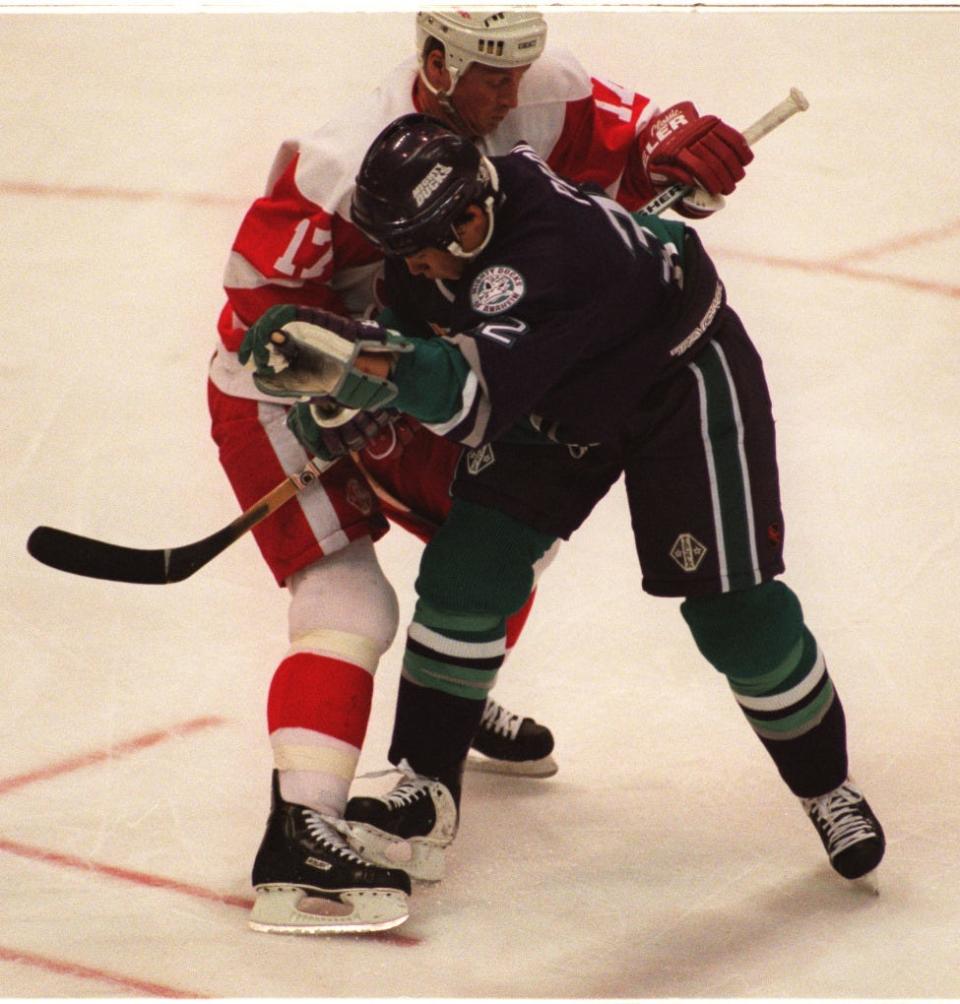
(850, 831)
(417, 813)
(506, 743)
(309, 881)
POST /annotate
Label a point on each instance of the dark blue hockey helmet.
(415, 183)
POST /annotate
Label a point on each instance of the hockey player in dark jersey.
(583, 343)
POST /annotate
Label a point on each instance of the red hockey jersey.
(297, 244)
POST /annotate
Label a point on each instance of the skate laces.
(498, 719)
(406, 791)
(332, 833)
(839, 812)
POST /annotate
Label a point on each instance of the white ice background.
(666, 859)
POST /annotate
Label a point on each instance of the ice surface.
(665, 859)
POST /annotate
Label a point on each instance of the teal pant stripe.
(722, 432)
(805, 665)
(770, 682)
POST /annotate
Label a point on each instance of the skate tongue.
(402, 768)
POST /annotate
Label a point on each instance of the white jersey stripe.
(467, 397)
(315, 502)
(240, 274)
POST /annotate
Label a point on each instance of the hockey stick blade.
(98, 559)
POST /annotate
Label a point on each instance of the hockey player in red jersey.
(487, 76)
(586, 343)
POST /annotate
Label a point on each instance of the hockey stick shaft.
(99, 559)
(793, 103)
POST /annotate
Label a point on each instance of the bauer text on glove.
(699, 151)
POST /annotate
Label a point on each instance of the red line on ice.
(835, 266)
(838, 268)
(159, 882)
(38, 189)
(944, 232)
(124, 874)
(64, 968)
(123, 748)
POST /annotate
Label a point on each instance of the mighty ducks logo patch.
(496, 289)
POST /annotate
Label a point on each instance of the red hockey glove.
(682, 147)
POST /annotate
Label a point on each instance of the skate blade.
(868, 883)
(284, 909)
(544, 767)
(420, 859)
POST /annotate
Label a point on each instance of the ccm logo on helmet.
(430, 183)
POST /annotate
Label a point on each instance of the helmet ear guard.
(415, 184)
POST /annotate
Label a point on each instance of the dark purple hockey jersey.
(572, 312)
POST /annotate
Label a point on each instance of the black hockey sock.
(432, 731)
(816, 762)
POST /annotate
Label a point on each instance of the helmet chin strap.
(445, 100)
(455, 247)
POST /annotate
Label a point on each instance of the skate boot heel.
(409, 827)
(421, 859)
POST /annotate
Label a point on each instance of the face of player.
(437, 263)
(485, 95)
(432, 263)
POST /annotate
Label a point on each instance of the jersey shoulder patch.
(497, 289)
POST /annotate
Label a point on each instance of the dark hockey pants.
(479, 569)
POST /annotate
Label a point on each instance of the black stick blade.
(97, 559)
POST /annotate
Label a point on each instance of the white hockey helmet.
(504, 39)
